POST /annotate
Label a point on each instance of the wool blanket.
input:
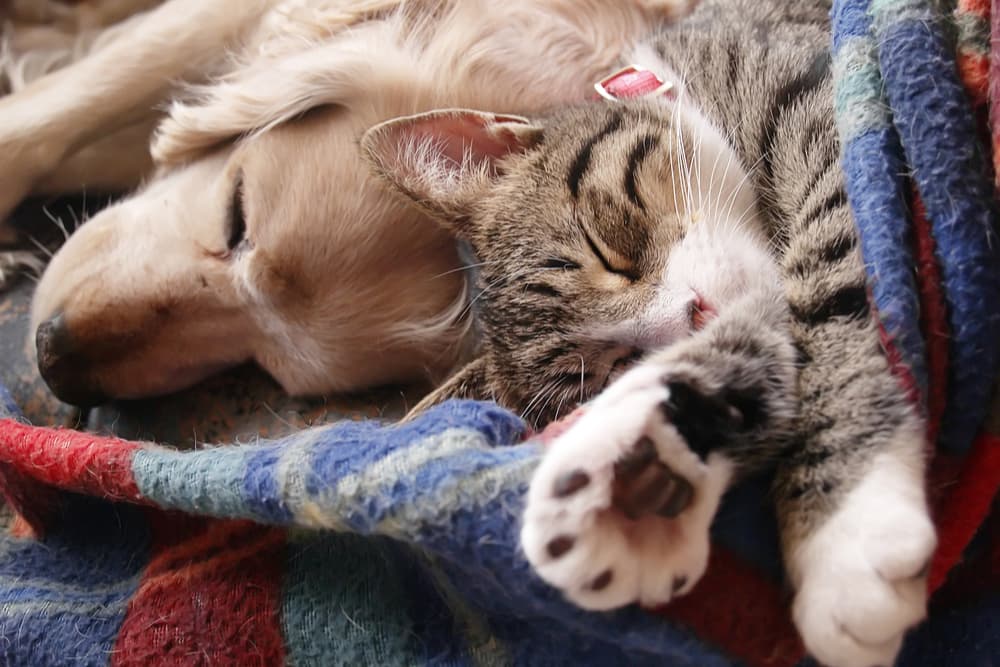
(366, 543)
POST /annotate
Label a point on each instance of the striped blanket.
(365, 543)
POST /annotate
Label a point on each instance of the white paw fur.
(861, 578)
(574, 541)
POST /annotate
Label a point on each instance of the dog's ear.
(305, 62)
(445, 160)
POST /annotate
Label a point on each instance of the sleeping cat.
(689, 258)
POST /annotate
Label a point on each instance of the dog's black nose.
(62, 366)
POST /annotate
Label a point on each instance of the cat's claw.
(619, 509)
(864, 573)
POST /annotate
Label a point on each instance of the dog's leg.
(111, 165)
(39, 12)
(92, 14)
(73, 17)
(115, 163)
(114, 86)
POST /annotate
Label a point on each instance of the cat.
(688, 261)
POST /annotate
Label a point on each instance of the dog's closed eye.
(237, 223)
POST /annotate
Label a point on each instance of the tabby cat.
(701, 239)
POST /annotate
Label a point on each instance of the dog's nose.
(62, 366)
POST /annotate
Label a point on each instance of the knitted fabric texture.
(903, 109)
(370, 544)
(365, 543)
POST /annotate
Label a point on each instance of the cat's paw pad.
(864, 577)
(620, 507)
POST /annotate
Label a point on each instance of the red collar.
(632, 82)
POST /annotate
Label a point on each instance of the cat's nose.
(700, 311)
(63, 366)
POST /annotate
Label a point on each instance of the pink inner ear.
(468, 133)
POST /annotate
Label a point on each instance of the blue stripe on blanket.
(938, 132)
(875, 179)
(64, 598)
(369, 624)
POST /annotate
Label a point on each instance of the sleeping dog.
(257, 233)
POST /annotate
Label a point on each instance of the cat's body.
(708, 231)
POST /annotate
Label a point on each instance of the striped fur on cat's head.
(601, 232)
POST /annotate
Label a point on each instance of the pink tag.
(632, 82)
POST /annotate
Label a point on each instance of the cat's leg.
(855, 524)
(619, 510)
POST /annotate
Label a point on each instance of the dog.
(256, 232)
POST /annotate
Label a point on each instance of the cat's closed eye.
(561, 263)
(612, 262)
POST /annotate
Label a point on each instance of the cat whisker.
(467, 267)
(558, 412)
(730, 137)
(469, 306)
(564, 394)
(673, 191)
(41, 246)
(57, 221)
(684, 163)
(742, 218)
(696, 165)
(542, 394)
(715, 209)
(711, 181)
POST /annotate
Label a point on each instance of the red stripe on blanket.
(71, 460)
(209, 596)
(977, 577)
(994, 93)
(740, 611)
(933, 316)
(36, 506)
(974, 69)
(959, 514)
(980, 8)
(898, 367)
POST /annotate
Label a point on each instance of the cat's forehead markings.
(643, 147)
(582, 160)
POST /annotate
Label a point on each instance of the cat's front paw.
(863, 574)
(619, 510)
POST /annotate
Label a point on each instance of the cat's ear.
(444, 160)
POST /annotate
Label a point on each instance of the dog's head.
(265, 238)
(277, 249)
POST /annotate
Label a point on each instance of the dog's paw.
(863, 574)
(619, 510)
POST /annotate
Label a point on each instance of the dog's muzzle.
(63, 366)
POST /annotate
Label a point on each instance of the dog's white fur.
(339, 285)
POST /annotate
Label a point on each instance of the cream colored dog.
(258, 233)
